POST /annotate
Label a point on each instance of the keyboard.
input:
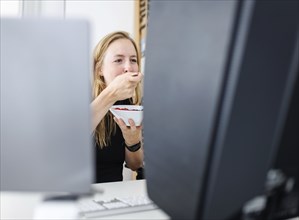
(91, 208)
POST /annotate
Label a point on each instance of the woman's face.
(119, 58)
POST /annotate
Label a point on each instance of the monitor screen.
(218, 80)
(45, 97)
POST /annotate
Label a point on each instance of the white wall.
(104, 16)
(10, 8)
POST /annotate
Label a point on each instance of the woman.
(116, 80)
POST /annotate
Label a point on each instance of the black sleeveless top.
(110, 159)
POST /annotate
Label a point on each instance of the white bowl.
(126, 112)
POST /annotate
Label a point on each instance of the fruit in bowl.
(126, 112)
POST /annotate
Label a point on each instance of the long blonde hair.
(107, 126)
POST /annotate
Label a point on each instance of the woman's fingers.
(132, 125)
(135, 76)
(124, 126)
(120, 123)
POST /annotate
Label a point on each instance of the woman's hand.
(123, 86)
(132, 134)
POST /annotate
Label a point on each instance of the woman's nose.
(128, 67)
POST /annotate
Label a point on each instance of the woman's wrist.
(131, 143)
(134, 147)
(110, 96)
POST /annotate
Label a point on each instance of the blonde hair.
(107, 126)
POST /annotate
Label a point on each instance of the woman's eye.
(134, 60)
(118, 61)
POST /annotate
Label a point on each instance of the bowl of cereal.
(126, 112)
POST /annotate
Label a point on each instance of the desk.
(22, 205)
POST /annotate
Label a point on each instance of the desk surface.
(22, 205)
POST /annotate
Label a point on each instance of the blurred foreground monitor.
(221, 109)
(45, 97)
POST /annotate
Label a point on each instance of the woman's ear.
(99, 70)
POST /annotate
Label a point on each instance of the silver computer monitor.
(45, 114)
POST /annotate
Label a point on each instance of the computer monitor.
(283, 185)
(45, 114)
(219, 76)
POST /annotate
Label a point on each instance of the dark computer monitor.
(283, 183)
(45, 115)
(219, 79)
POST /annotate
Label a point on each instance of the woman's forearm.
(134, 160)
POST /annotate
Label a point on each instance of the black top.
(110, 159)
